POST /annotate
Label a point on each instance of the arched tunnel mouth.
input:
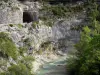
(27, 17)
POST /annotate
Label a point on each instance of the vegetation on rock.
(19, 69)
(7, 46)
(8, 49)
(50, 13)
(87, 58)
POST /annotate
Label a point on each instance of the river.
(57, 67)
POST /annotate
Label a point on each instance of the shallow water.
(57, 67)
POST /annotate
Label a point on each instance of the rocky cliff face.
(55, 40)
(61, 36)
(10, 13)
(60, 32)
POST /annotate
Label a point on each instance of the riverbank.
(44, 58)
(56, 67)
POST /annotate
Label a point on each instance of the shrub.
(56, 10)
(11, 25)
(59, 10)
(27, 42)
(7, 46)
(46, 46)
(34, 24)
(22, 50)
(27, 61)
(19, 69)
(49, 23)
(39, 51)
(20, 26)
(5, 0)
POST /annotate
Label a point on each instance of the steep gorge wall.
(60, 36)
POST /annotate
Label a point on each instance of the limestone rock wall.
(36, 35)
(9, 15)
(61, 34)
(11, 12)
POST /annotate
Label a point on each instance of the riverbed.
(56, 67)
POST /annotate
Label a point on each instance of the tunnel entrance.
(30, 16)
(22, 0)
(27, 17)
(27, 0)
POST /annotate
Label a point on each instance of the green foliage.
(45, 44)
(11, 25)
(39, 51)
(22, 50)
(3, 63)
(19, 69)
(49, 23)
(77, 8)
(15, 8)
(84, 40)
(52, 12)
(27, 42)
(92, 12)
(91, 63)
(8, 49)
(20, 26)
(35, 24)
(44, 18)
(27, 61)
(5, 0)
(87, 57)
(59, 1)
(56, 10)
(7, 46)
(61, 10)
(77, 27)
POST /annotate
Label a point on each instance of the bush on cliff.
(7, 46)
(19, 69)
(87, 57)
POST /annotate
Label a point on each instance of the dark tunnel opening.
(27, 17)
(22, 0)
(27, 0)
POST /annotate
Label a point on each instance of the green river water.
(57, 67)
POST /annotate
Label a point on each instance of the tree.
(87, 58)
